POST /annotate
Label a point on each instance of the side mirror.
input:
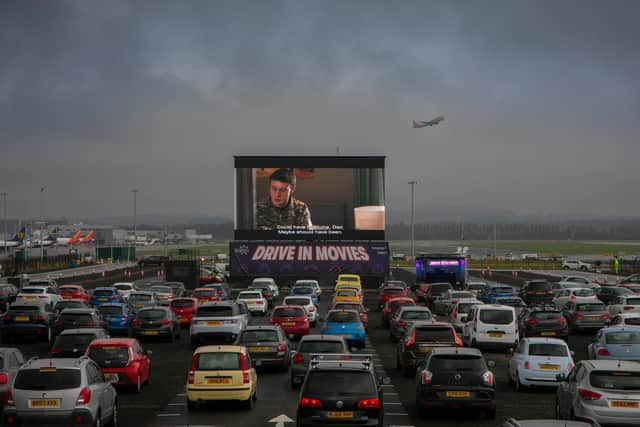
(573, 353)
(561, 377)
(148, 352)
(291, 354)
(491, 364)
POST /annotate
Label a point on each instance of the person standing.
(616, 264)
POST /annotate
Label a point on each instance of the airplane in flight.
(432, 122)
(16, 240)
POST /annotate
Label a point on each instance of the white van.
(491, 325)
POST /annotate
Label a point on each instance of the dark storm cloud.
(121, 92)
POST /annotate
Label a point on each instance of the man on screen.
(281, 208)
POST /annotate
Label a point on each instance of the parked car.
(223, 290)
(491, 325)
(436, 290)
(219, 321)
(607, 294)
(156, 322)
(585, 315)
(347, 324)
(10, 361)
(615, 343)
(576, 264)
(268, 281)
(307, 303)
(457, 378)
(313, 283)
(541, 321)
(140, 299)
(292, 318)
(124, 289)
(206, 295)
(74, 342)
(357, 306)
(458, 315)
(45, 294)
(574, 294)
(255, 302)
(28, 319)
(404, 318)
(308, 291)
(158, 260)
(538, 361)
(580, 281)
(221, 372)
(73, 292)
(476, 286)
(184, 308)
(163, 293)
(313, 344)
(267, 345)
(69, 303)
(177, 288)
(391, 306)
(75, 318)
(118, 317)
(601, 391)
(494, 291)
(389, 292)
(629, 318)
(123, 362)
(420, 340)
(104, 295)
(624, 303)
(66, 391)
(516, 302)
(444, 303)
(536, 292)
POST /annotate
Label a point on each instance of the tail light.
(53, 350)
(531, 321)
(281, 347)
(136, 322)
(605, 315)
(260, 302)
(588, 394)
(243, 362)
(487, 378)
(314, 296)
(569, 366)
(9, 399)
(42, 296)
(57, 322)
(629, 307)
(166, 322)
(123, 318)
(425, 377)
(603, 352)
(527, 365)
(549, 292)
(573, 297)
(298, 358)
(577, 316)
(194, 362)
(312, 309)
(38, 317)
(387, 310)
(267, 294)
(401, 323)
(84, 397)
(410, 340)
(308, 402)
(245, 377)
(373, 403)
(562, 320)
(190, 377)
(91, 323)
(4, 378)
(6, 318)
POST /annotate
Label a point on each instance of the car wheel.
(98, 421)
(519, 385)
(491, 413)
(138, 384)
(114, 415)
(191, 405)
(558, 415)
(248, 404)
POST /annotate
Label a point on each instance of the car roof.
(61, 362)
(221, 348)
(545, 340)
(113, 304)
(217, 303)
(154, 307)
(427, 324)
(71, 286)
(195, 300)
(299, 296)
(617, 328)
(496, 307)
(414, 308)
(62, 301)
(82, 331)
(613, 365)
(322, 337)
(100, 342)
(261, 328)
(79, 310)
(400, 299)
(456, 350)
(286, 306)
(142, 293)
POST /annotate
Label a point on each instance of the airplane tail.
(75, 238)
(19, 237)
(88, 237)
(415, 124)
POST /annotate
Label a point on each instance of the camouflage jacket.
(268, 216)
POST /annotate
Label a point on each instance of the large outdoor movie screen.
(309, 198)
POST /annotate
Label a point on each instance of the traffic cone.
(141, 273)
(103, 273)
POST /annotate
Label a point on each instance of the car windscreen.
(47, 378)
(215, 311)
(464, 307)
(434, 335)
(347, 293)
(395, 304)
(297, 301)
(502, 290)
(496, 317)
(393, 290)
(75, 317)
(152, 314)
(110, 356)
(61, 305)
(440, 288)
(302, 290)
(632, 321)
(110, 309)
(623, 337)
(321, 347)
(253, 336)
(584, 292)
(539, 286)
(182, 303)
(633, 301)
(615, 380)
(67, 289)
(547, 349)
(346, 306)
(32, 291)
(343, 316)
(459, 362)
(103, 292)
(288, 312)
(249, 295)
(23, 308)
(546, 315)
(74, 340)
(218, 361)
(590, 307)
(416, 315)
(140, 297)
(340, 383)
(161, 289)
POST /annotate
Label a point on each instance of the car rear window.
(23, 308)
(464, 307)
(584, 292)
(253, 336)
(347, 293)
(215, 311)
(539, 286)
(623, 337)
(69, 289)
(161, 289)
(632, 321)
(103, 292)
(393, 290)
(340, 383)
(111, 309)
(590, 307)
(205, 294)
(152, 314)
(450, 362)
(250, 295)
(477, 287)
(109, 356)
(546, 315)
(75, 317)
(547, 349)
(502, 289)
(321, 347)
(342, 306)
(440, 288)
(261, 283)
(496, 317)
(395, 304)
(296, 301)
(434, 334)
(181, 303)
(123, 287)
(218, 361)
(343, 316)
(616, 380)
(416, 315)
(47, 378)
(69, 304)
(75, 340)
(31, 291)
(140, 297)
(633, 301)
(288, 312)
(302, 290)
(461, 295)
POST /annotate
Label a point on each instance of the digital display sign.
(309, 198)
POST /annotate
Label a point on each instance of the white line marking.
(393, 403)
(387, 393)
(171, 415)
(177, 404)
(181, 394)
(396, 413)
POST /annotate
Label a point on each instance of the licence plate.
(214, 322)
(103, 299)
(44, 403)
(540, 293)
(288, 323)
(340, 414)
(219, 381)
(549, 367)
(30, 297)
(259, 349)
(151, 332)
(452, 393)
(623, 404)
(425, 348)
(593, 317)
(496, 334)
(111, 377)
(22, 318)
(548, 334)
(138, 305)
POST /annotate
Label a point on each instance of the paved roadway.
(81, 270)
(163, 402)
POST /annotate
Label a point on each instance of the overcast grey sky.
(541, 100)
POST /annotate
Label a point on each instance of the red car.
(421, 291)
(122, 360)
(358, 306)
(184, 308)
(73, 292)
(205, 295)
(292, 318)
(389, 292)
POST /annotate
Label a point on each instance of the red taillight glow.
(4, 378)
(577, 316)
(487, 378)
(401, 323)
(190, 377)
(84, 397)
(245, 377)
(603, 352)
(373, 403)
(136, 322)
(527, 365)
(426, 377)
(38, 317)
(561, 320)
(194, 362)
(166, 322)
(605, 315)
(260, 302)
(588, 394)
(54, 350)
(243, 362)
(308, 402)
(298, 358)
(281, 347)
(387, 310)
(531, 321)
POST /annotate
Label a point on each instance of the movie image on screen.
(313, 198)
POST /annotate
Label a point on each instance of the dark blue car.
(118, 317)
(491, 292)
(104, 295)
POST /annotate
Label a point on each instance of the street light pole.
(41, 223)
(4, 232)
(135, 213)
(413, 246)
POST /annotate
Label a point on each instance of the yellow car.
(351, 279)
(221, 372)
(346, 295)
(344, 287)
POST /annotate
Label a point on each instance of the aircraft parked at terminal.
(15, 241)
(69, 240)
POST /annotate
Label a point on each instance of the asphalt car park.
(163, 402)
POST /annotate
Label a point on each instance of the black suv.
(153, 260)
(340, 389)
(73, 318)
(452, 377)
(537, 292)
(543, 321)
(420, 339)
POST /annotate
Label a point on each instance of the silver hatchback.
(61, 392)
(604, 391)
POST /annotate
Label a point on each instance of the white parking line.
(393, 414)
(393, 403)
(181, 394)
(168, 415)
(387, 385)
(177, 404)
(388, 393)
